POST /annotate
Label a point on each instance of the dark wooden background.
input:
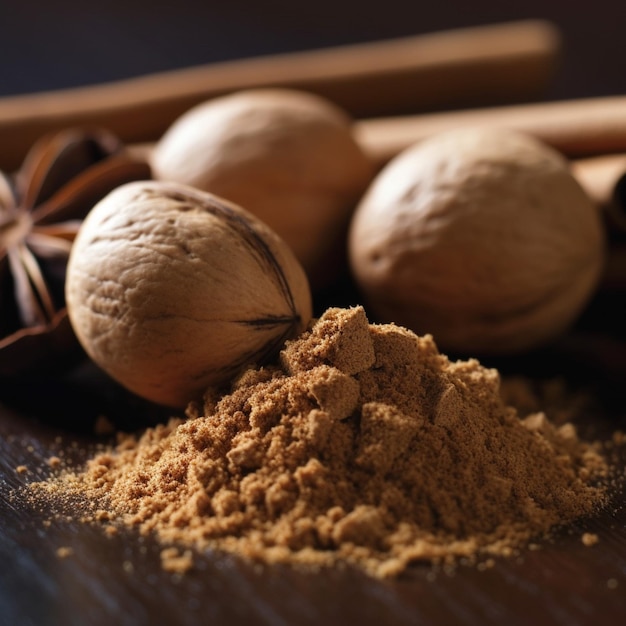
(49, 45)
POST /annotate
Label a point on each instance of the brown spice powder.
(364, 445)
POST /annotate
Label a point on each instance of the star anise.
(41, 209)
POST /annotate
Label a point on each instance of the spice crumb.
(54, 462)
(21, 469)
(485, 565)
(619, 438)
(175, 561)
(589, 539)
(103, 426)
(64, 552)
(102, 516)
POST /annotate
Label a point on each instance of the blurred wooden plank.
(475, 65)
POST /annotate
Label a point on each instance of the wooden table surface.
(118, 580)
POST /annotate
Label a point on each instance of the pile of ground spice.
(362, 445)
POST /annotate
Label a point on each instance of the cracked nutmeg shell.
(172, 290)
(41, 208)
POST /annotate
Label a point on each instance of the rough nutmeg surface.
(287, 156)
(481, 237)
(171, 290)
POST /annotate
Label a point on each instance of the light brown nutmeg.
(481, 237)
(288, 156)
(171, 290)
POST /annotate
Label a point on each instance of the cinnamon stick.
(578, 128)
(604, 179)
(463, 67)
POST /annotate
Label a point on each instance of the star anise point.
(41, 209)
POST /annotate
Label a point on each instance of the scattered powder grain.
(362, 445)
(64, 552)
(54, 462)
(103, 426)
(175, 561)
(589, 539)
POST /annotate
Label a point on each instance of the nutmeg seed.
(289, 157)
(171, 290)
(481, 237)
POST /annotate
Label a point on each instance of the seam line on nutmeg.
(168, 329)
(261, 248)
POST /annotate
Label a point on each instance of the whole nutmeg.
(481, 237)
(287, 156)
(171, 290)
